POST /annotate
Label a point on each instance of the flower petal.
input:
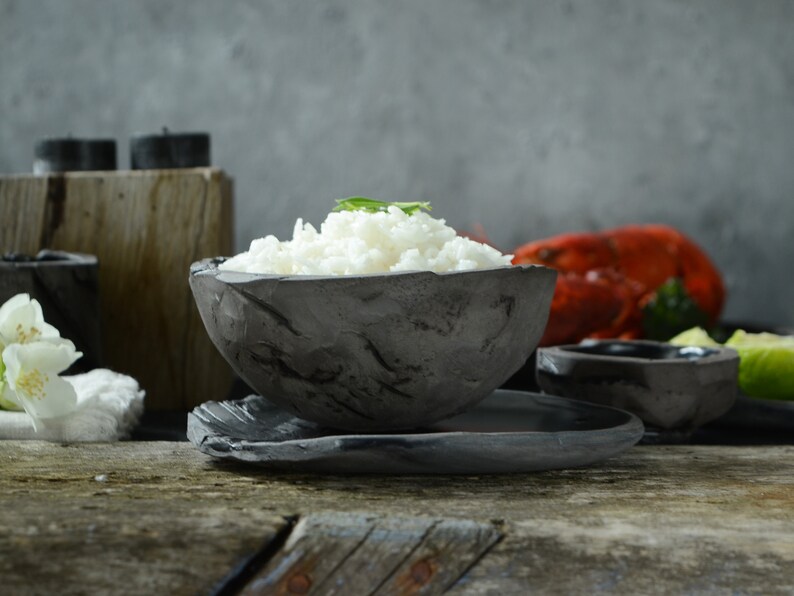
(22, 321)
(52, 398)
(32, 374)
(49, 332)
(12, 304)
(47, 356)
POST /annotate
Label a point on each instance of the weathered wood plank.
(390, 542)
(317, 546)
(344, 553)
(132, 546)
(655, 520)
(146, 228)
(644, 555)
(446, 552)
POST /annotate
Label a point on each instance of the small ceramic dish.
(66, 284)
(668, 387)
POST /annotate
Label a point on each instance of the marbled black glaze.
(666, 386)
(509, 431)
(375, 352)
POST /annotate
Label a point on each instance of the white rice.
(356, 242)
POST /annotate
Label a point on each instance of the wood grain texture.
(677, 519)
(146, 228)
(390, 543)
(344, 553)
(144, 546)
(448, 549)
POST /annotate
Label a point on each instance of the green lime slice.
(696, 336)
(766, 367)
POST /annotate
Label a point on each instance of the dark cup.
(67, 287)
(168, 150)
(74, 155)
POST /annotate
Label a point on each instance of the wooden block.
(146, 228)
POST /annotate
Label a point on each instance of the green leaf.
(671, 311)
(373, 206)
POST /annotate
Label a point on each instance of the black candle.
(74, 155)
(99, 154)
(169, 150)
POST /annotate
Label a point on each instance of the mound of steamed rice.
(356, 242)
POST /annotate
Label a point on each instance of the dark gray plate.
(510, 431)
(749, 413)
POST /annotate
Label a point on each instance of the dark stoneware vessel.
(668, 387)
(67, 286)
(375, 352)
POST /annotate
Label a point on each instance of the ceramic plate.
(510, 431)
(749, 413)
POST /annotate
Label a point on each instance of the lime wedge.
(766, 367)
(696, 336)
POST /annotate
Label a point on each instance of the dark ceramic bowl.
(668, 387)
(66, 284)
(375, 352)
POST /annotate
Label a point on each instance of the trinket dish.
(668, 387)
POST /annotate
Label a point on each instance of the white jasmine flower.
(21, 321)
(32, 355)
(32, 375)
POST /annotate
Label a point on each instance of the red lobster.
(607, 277)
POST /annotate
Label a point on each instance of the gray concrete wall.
(529, 117)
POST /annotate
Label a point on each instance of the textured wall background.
(528, 117)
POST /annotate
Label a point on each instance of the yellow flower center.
(32, 383)
(26, 336)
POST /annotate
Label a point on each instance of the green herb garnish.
(671, 311)
(373, 206)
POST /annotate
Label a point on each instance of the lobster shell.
(607, 277)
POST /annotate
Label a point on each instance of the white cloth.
(109, 405)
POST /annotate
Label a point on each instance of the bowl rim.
(719, 354)
(49, 258)
(209, 267)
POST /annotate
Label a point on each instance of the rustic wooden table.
(162, 518)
